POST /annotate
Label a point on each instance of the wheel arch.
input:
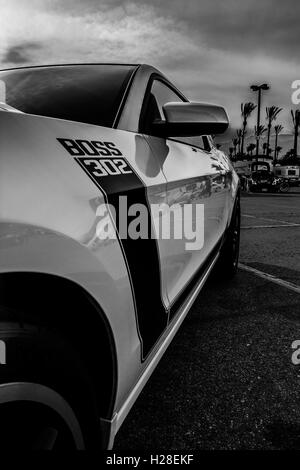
(22, 294)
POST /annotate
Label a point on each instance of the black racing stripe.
(194, 281)
(141, 255)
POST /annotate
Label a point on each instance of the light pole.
(258, 88)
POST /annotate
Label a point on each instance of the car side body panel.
(58, 231)
(195, 177)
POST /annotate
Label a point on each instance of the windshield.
(84, 93)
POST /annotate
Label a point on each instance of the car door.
(196, 177)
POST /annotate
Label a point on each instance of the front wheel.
(35, 417)
(46, 397)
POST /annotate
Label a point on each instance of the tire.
(227, 264)
(46, 399)
(284, 187)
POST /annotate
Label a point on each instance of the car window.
(85, 93)
(160, 94)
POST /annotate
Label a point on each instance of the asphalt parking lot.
(227, 381)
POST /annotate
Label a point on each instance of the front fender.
(27, 248)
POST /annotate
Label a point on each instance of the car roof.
(37, 66)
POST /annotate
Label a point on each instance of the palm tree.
(296, 123)
(265, 147)
(244, 133)
(258, 132)
(277, 129)
(278, 150)
(250, 149)
(239, 134)
(290, 159)
(272, 113)
(289, 153)
(235, 142)
(246, 110)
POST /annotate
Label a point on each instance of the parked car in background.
(291, 173)
(264, 180)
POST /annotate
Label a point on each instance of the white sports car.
(94, 160)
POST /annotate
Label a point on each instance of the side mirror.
(191, 119)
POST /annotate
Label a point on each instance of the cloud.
(130, 32)
(20, 53)
(213, 50)
(232, 25)
(248, 25)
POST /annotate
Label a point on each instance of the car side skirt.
(120, 416)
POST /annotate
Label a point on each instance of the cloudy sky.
(211, 49)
